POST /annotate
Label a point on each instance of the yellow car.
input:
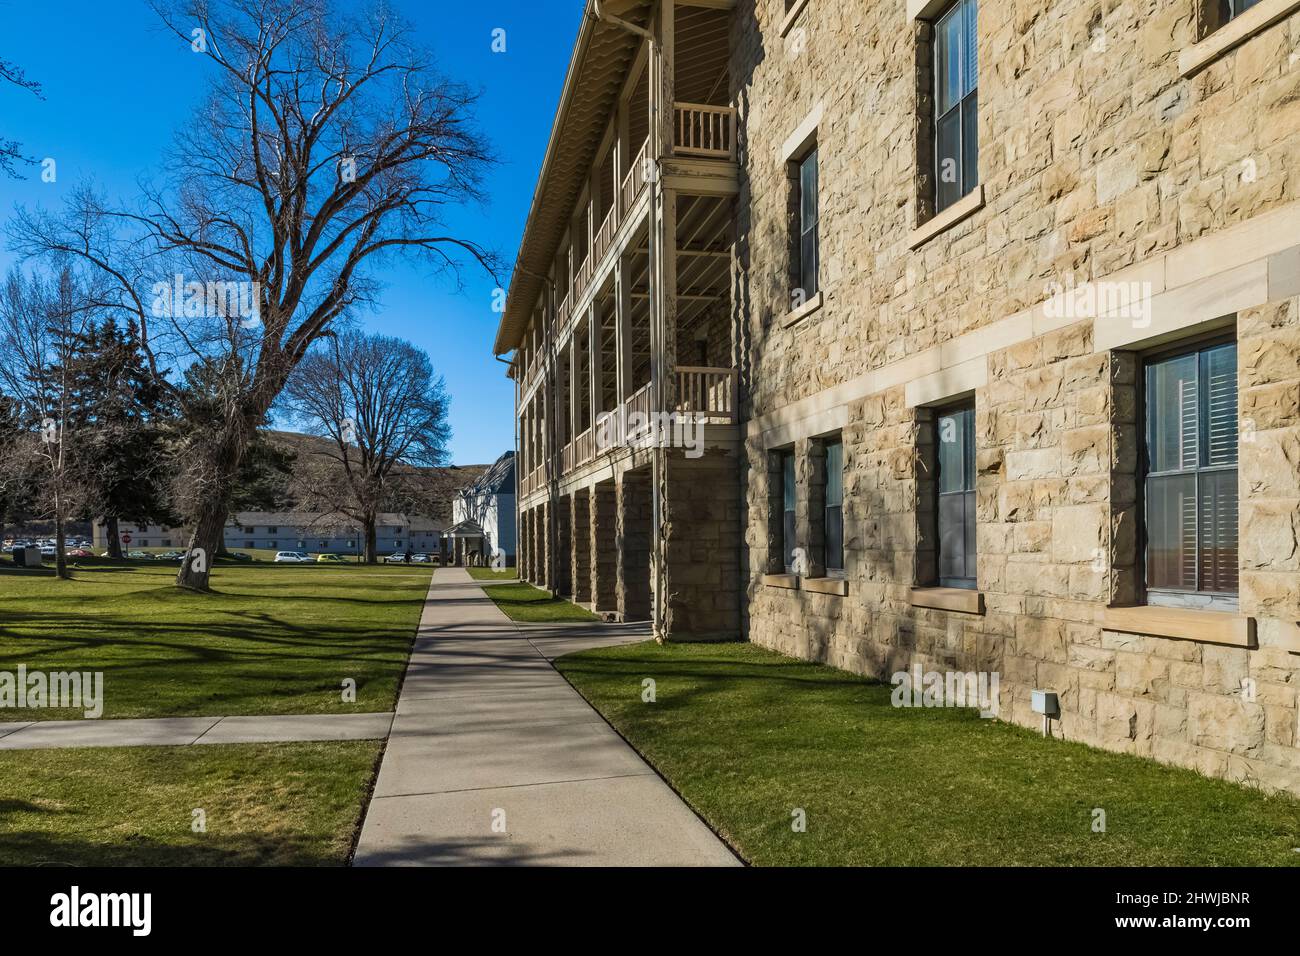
(330, 559)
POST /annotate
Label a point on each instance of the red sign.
(126, 537)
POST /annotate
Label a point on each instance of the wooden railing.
(605, 237)
(710, 392)
(584, 447)
(638, 402)
(708, 131)
(635, 179)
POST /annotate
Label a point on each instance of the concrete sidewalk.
(181, 731)
(494, 759)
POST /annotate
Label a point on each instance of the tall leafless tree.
(327, 145)
(41, 320)
(377, 399)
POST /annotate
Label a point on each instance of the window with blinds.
(956, 104)
(787, 508)
(956, 506)
(809, 216)
(833, 519)
(1191, 481)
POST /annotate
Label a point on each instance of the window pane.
(834, 474)
(1220, 372)
(808, 264)
(954, 434)
(1171, 532)
(788, 531)
(787, 480)
(947, 61)
(970, 159)
(947, 171)
(1172, 408)
(787, 518)
(835, 538)
(808, 192)
(970, 54)
(1218, 519)
(952, 537)
(970, 534)
(956, 509)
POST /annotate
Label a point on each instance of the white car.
(292, 557)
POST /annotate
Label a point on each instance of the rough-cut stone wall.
(604, 546)
(702, 538)
(633, 545)
(580, 533)
(564, 546)
(547, 546)
(1094, 155)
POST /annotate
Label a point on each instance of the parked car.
(140, 555)
(397, 557)
(419, 559)
(171, 556)
(330, 559)
(81, 553)
(292, 557)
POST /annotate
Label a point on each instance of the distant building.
(140, 535)
(483, 516)
(330, 533)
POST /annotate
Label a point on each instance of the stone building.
(995, 319)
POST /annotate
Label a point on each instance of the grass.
(273, 639)
(293, 804)
(487, 574)
(748, 737)
(529, 605)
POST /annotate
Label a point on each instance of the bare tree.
(379, 402)
(10, 150)
(328, 144)
(42, 320)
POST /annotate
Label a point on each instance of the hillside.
(425, 491)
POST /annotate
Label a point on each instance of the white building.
(483, 516)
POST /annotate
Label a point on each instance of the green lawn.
(748, 737)
(487, 574)
(273, 639)
(295, 804)
(530, 605)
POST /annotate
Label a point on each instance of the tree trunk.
(114, 534)
(208, 535)
(372, 556)
(205, 540)
(60, 555)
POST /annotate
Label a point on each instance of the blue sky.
(116, 86)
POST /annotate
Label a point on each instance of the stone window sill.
(1193, 59)
(792, 15)
(827, 585)
(801, 313)
(966, 600)
(962, 209)
(1184, 624)
(790, 581)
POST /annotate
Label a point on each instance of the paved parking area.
(493, 758)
